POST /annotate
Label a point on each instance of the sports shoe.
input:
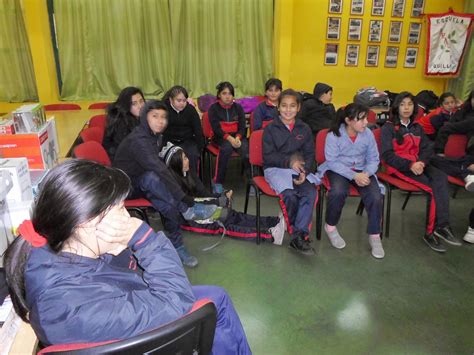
(278, 232)
(187, 259)
(447, 235)
(302, 245)
(335, 238)
(376, 246)
(469, 236)
(434, 243)
(199, 211)
(217, 188)
(469, 183)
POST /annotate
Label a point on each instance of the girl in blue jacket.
(352, 158)
(66, 278)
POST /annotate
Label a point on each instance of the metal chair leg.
(406, 201)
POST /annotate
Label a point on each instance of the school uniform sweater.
(433, 121)
(265, 111)
(219, 113)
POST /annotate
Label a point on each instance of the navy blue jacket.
(222, 113)
(279, 144)
(75, 299)
(263, 112)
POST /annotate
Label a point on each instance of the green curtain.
(17, 78)
(464, 83)
(222, 40)
(106, 45)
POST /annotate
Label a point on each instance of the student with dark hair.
(122, 118)
(317, 111)
(406, 152)
(184, 125)
(227, 119)
(237, 224)
(352, 158)
(288, 146)
(65, 276)
(138, 157)
(267, 110)
(433, 121)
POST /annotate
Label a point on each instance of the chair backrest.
(92, 134)
(256, 148)
(456, 146)
(192, 333)
(60, 107)
(98, 105)
(377, 134)
(372, 117)
(98, 121)
(92, 151)
(319, 146)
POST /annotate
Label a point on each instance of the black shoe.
(302, 245)
(447, 235)
(434, 243)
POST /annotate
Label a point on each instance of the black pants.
(225, 152)
(454, 167)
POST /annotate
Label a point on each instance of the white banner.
(448, 35)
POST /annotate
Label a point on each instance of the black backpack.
(427, 99)
(371, 97)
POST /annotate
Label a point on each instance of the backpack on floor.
(371, 97)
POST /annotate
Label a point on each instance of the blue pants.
(229, 337)
(225, 152)
(370, 195)
(299, 203)
(151, 186)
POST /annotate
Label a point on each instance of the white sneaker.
(376, 246)
(469, 183)
(278, 232)
(469, 236)
(335, 238)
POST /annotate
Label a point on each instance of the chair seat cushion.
(456, 181)
(398, 183)
(263, 185)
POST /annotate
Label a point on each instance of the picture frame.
(335, 7)
(372, 58)
(331, 53)
(395, 33)
(355, 29)
(334, 28)
(378, 7)
(375, 30)
(352, 55)
(417, 8)
(391, 57)
(398, 8)
(357, 7)
(414, 33)
(411, 55)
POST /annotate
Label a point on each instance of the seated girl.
(317, 111)
(267, 110)
(432, 122)
(184, 125)
(68, 281)
(122, 118)
(406, 153)
(288, 157)
(352, 158)
(237, 224)
(227, 119)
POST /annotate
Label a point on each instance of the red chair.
(61, 107)
(95, 134)
(191, 334)
(372, 118)
(456, 148)
(98, 105)
(98, 121)
(94, 151)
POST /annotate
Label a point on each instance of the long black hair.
(187, 182)
(395, 112)
(352, 111)
(73, 192)
(118, 112)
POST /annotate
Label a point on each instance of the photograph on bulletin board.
(378, 7)
(372, 59)
(395, 33)
(410, 57)
(330, 57)
(398, 8)
(352, 55)
(391, 57)
(414, 33)
(355, 29)
(417, 8)
(375, 30)
(335, 6)
(357, 7)
(334, 28)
